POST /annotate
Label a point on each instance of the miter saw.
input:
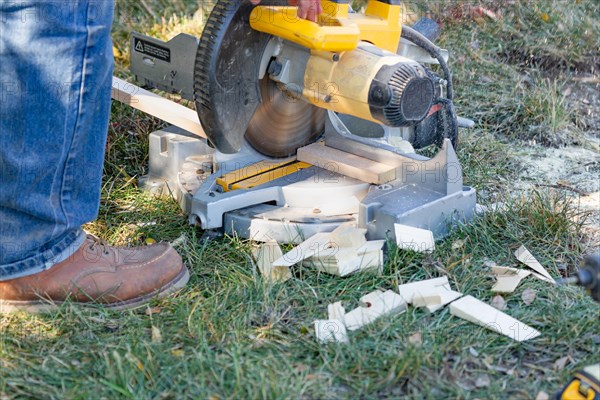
(266, 83)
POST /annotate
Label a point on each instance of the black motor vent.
(401, 95)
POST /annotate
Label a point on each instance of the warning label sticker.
(152, 50)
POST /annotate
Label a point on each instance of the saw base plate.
(294, 207)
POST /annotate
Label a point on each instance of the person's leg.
(56, 73)
(55, 80)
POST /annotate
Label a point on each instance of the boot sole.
(46, 306)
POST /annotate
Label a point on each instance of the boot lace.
(96, 242)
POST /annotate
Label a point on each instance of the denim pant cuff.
(57, 253)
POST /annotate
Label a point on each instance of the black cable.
(420, 40)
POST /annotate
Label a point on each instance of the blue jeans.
(56, 68)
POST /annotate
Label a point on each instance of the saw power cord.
(420, 40)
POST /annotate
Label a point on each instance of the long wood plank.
(157, 106)
(347, 164)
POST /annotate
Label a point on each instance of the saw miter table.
(304, 125)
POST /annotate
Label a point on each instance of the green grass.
(230, 335)
(510, 73)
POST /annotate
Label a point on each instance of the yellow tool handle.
(329, 34)
(336, 30)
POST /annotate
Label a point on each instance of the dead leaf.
(153, 310)
(499, 303)
(156, 335)
(542, 396)
(482, 381)
(528, 296)
(459, 244)
(561, 363)
(177, 353)
(415, 339)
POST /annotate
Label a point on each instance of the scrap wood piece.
(427, 299)
(409, 290)
(314, 245)
(480, 313)
(371, 246)
(343, 261)
(265, 255)
(368, 299)
(507, 279)
(446, 296)
(330, 330)
(348, 235)
(382, 304)
(433, 294)
(528, 259)
(336, 311)
(415, 239)
(347, 164)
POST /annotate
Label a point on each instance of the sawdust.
(575, 169)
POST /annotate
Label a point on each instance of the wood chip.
(482, 381)
(336, 311)
(508, 279)
(542, 396)
(330, 330)
(156, 335)
(561, 363)
(528, 259)
(415, 339)
(266, 254)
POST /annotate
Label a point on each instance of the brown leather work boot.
(98, 274)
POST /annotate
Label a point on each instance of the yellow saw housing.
(353, 67)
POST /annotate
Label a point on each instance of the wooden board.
(480, 313)
(528, 259)
(157, 106)
(347, 164)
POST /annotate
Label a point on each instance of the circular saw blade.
(233, 103)
(281, 123)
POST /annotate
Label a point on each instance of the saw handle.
(335, 29)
